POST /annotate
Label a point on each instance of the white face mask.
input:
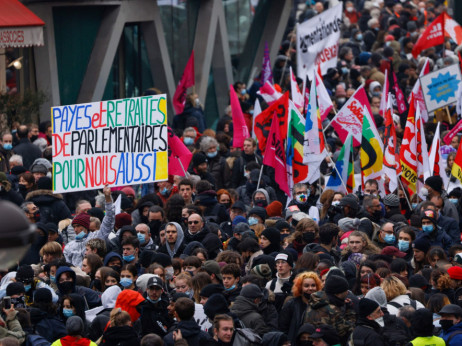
(380, 321)
(169, 273)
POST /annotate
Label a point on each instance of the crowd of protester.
(221, 256)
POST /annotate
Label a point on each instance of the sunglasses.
(193, 222)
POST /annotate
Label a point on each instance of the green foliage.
(24, 109)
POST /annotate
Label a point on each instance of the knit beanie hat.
(238, 219)
(259, 211)
(335, 284)
(39, 168)
(198, 159)
(123, 219)
(82, 220)
(97, 212)
(367, 307)
(422, 244)
(251, 291)
(45, 183)
(391, 200)
(215, 305)
(436, 183)
(347, 224)
(43, 295)
(74, 326)
(274, 209)
(15, 288)
(263, 271)
(285, 256)
(25, 273)
(455, 273)
(418, 281)
(429, 214)
(272, 234)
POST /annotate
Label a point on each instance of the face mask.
(424, 192)
(261, 203)
(308, 237)
(27, 287)
(190, 294)
(7, 146)
(212, 155)
(80, 236)
(349, 9)
(37, 216)
(302, 198)
(284, 236)
(154, 226)
(33, 138)
(446, 324)
(377, 94)
(403, 245)
(129, 258)
(243, 92)
(52, 278)
(377, 214)
(380, 321)
(305, 343)
(197, 102)
(247, 175)
(307, 295)
(341, 100)
(389, 239)
(231, 288)
(97, 284)
(359, 37)
(335, 203)
(141, 238)
(252, 221)
(154, 301)
(164, 191)
(414, 205)
(454, 201)
(345, 70)
(116, 268)
(68, 313)
(227, 205)
(169, 273)
(22, 188)
(66, 287)
(427, 228)
(126, 282)
(188, 141)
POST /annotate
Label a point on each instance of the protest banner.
(317, 41)
(117, 142)
(440, 87)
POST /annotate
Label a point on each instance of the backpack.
(397, 305)
(246, 337)
(36, 340)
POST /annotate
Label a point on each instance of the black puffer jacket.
(154, 317)
(291, 317)
(120, 336)
(52, 207)
(247, 311)
(191, 332)
(367, 333)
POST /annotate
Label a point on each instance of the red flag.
(408, 150)
(177, 152)
(390, 154)
(241, 131)
(275, 156)
(432, 36)
(448, 138)
(187, 81)
(263, 121)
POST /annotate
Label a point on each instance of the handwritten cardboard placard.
(117, 142)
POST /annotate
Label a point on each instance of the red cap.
(455, 273)
(392, 251)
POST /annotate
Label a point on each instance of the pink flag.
(297, 97)
(179, 156)
(384, 99)
(187, 81)
(269, 94)
(275, 156)
(418, 93)
(400, 101)
(241, 131)
(349, 119)
(448, 138)
(266, 73)
(324, 101)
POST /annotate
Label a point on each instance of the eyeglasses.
(193, 222)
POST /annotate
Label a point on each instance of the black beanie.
(210, 289)
(435, 182)
(43, 295)
(45, 183)
(422, 322)
(272, 234)
(367, 307)
(25, 273)
(215, 305)
(336, 284)
(15, 288)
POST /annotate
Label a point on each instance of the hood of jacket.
(61, 271)
(189, 328)
(207, 198)
(128, 300)
(43, 196)
(179, 240)
(111, 255)
(243, 306)
(263, 191)
(318, 300)
(109, 296)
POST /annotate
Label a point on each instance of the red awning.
(19, 26)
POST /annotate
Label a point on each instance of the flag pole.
(186, 174)
(335, 166)
(404, 191)
(330, 122)
(259, 177)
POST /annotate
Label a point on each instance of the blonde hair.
(52, 248)
(393, 287)
(119, 318)
(297, 288)
(186, 277)
(369, 248)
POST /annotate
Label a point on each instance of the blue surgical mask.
(53, 278)
(427, 228)
(188, 140)
(403, 245)
(359, 37)
(164, 191)
(153, 301)
(345, 70)
(7, 146)
(243, 92)
(335, 203)
(80, 236)
(212, 155)
(141, 238)
(454, 201)
(126, 282)
(252, 221)
(231, 288)
(414, 205)
(68, 312)
(129, 258)
(27, 287)
(389, 238)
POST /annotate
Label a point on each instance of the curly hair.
(441, 279)
(301, 226)
(174, 207)
(229, 257)
(297, 288)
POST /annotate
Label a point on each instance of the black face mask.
(305, 343)
(446, 324)
(377, 215)
(116, 268)
(307, 295)
(97, 284)
(66, 287)
(308, 237)
(403, 203)
(227, 205)
(22, 188)
(261, 203)
(33, 138)
(154, 226)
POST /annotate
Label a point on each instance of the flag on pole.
(179, 156)
(342, 178)
(423, 166)
(397, 93)
(441, 27)
(384, 98)
(256, 112)
(408, 157)
(418, 93)
(295, 138)
(240, 129)
(266, 73)
(187, 81)
(457, 165)
(371, 152)
(275, 157)
(313, 147)
(297, 96)
(324, 101)
(390, 157)
(434, 158)
(269, 93)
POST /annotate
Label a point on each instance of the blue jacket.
(438, 238)
(451, 227)
(457, 339)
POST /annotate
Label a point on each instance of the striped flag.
(294, 149)
(297, 96)
(434, 158)
(371, 152)
(408, 157)
(457, 165)
(390, 158)
(342, 178)
(324, 101)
